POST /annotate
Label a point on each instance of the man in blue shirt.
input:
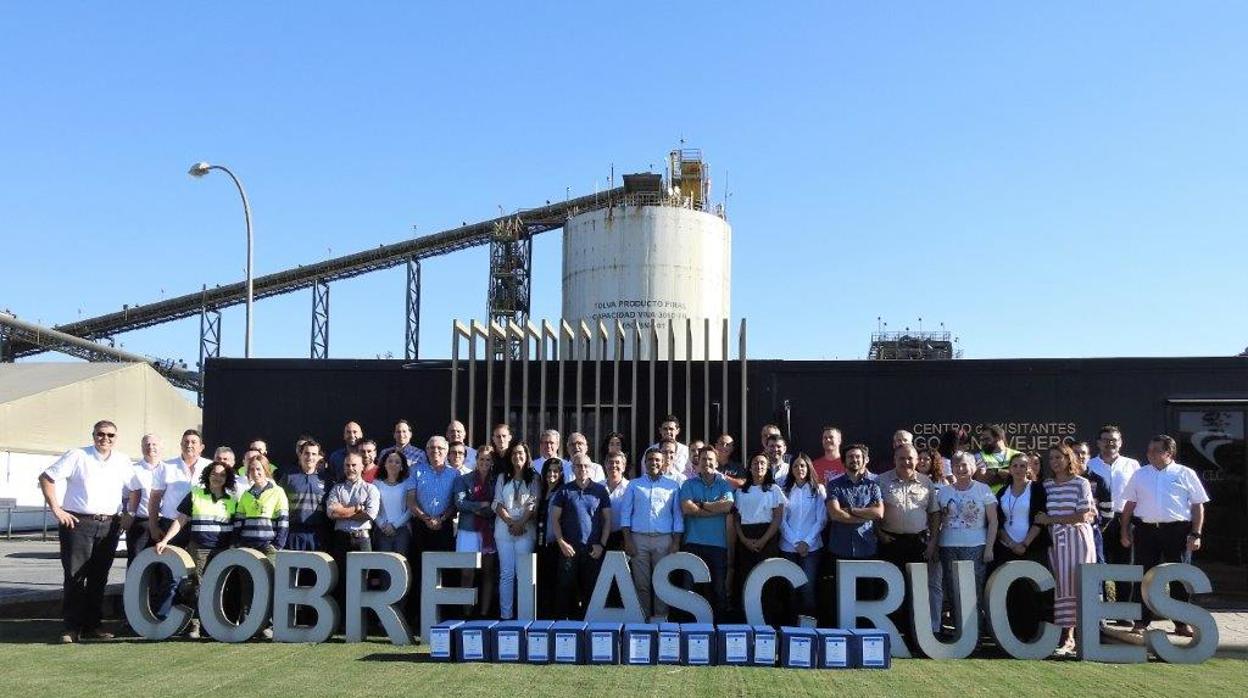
(352, 434)
(306, 490)
(855, 503)
(705, 501)
(582, 521)
(416, 458)
(652, 524)
(429, 499)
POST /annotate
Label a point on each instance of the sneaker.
(69, 637)
(267, 633)
(1139, 628)
(97, 634)
(192, 632)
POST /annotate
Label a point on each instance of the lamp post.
(200, 169)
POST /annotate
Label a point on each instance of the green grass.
(32, 666)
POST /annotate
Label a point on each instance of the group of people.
(975, 499)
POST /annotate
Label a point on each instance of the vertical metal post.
(507, 356)
(489, 373)
(687, 417)
(541, 355)
(617, 348)
(723, 362)
(526, 332)
(472, 381)
(601, 340)
(671, 363)
(455, 371)
(582, 355)
(654, 352)
(743, 408)
(320, 320)
(565, 330)
(411, 343)
(633, 405)
(706, 382)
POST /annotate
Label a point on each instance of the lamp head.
(199, 169)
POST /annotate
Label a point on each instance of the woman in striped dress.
(1068, 514)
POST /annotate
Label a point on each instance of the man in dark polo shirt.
(582, 521)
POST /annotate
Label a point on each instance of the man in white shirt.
(1168, 500)
(777, 450)
(90, 519)
(578, 445)
(669, 430)
(137, 537)
(170, 485)
(548, 446)
(1116, 470)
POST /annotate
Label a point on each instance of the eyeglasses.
(105, 435)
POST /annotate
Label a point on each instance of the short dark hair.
(102, 423)
(305, 443)
(670, 418)
(866, 452)
(996, 430)
(653, 449)
(829, 427)
(1110, 428)
(192, 432)
(1167, 443)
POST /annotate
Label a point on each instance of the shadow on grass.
(412, 657)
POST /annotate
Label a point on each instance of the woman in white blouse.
(758, 510)
(516, 492)
(390, 530)
(801, 529)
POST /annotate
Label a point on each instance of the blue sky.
(1065, 179)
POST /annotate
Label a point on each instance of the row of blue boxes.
(689, 644)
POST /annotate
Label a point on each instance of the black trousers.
(905, 548)
(1115, 554)
(547, 581)
(424, 540)
(774, 594)
(86, 556)
(1023, 604)
(1158, 543)
(343, 543)
(138, 539)
(577, 575)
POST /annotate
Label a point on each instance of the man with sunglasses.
(91, 517)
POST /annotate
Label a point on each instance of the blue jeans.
(951, 554)
(804, 596)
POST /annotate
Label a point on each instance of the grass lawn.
(31, 666)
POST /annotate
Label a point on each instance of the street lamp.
(200, 169)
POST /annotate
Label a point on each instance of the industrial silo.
(662, 254)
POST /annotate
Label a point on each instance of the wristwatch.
(1195, 535)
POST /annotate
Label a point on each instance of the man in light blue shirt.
(432, 505)
(705, 501)
(652, 522)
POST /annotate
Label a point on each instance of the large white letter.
(433, 595)
(850, 608)
(688, 601)
(137, 595)
(997, 592)
(386, 603)
(1157, 597)
(965, 612)
(752, 592)
(614, 571)
(1090, 579)
(253, 565)
(526, 587)
(287, 596)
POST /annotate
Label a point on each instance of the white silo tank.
(653, 263)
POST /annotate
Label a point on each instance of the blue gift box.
(640, 644)
(669, 651)
(538, 647)
(602, 643)
(697, 644)
(441, 640)
(472, 641)
(872, 649)
(799, 648)
(507, 640)
(764, 651)
(567, 638)
(836, 648)
(734, 643)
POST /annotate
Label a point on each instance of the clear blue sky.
(1063, 179)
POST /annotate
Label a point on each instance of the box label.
(440, 643)
(509, 645)
(669, 647)
(565, 647)
(834, 651)
(764, 649)
(537, 647)
(799, 651)
(638, 649)
(473, 646)
(699, 649)
(601, 648)
(873, 651)
(735, 647)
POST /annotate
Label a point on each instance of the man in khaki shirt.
(910, 513)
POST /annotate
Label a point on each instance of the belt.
(94, 517)
(905, 535)
(358, 533)
(651, 533)
(1163, 524)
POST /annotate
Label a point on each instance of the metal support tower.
(320, 320)
(209, 341)
(511, 258)
(411, 344)
(6, 356)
